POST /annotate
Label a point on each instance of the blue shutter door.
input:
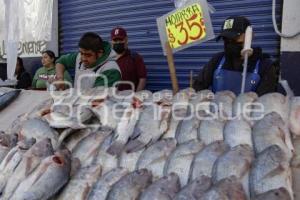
(138, 17)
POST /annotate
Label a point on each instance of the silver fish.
(226, 189)
(242, 105)
(179, 110)
(39, 129)
(31, 159)
(223, 102)
(269, 131)
(106, 160)
(195, 189)
(105, 183)
(181, 159)
(129, 160)
(8, 97)
(81, 183)
(155, 156)
(276, 194)
(12, 160)
(124, 130)
(87, 149)
(235, 162)
(294, 118)
(164, 188)
(6, 143)
(211, 131)
(203, 162)
(270, 171)
(238, 131)
(130, 186)
(151, 126)
(50, 176)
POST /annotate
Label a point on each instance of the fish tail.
(116, 148)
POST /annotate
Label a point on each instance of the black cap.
(233, 27)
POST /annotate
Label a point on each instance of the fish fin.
(275, 172)
(75, 166)
(134, 145)
(116, 148)
(136, 133)
(64, 135)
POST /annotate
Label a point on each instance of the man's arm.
(65, 61)
(60, 69)
(141, 85)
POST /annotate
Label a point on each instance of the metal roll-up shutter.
(138, 17)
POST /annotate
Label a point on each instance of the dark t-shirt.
(267, 71)
(24, 80)
(132, 68)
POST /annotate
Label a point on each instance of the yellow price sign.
(185, 26)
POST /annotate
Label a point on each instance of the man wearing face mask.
(224, 70)
(131, 63)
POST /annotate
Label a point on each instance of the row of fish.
(152, 149)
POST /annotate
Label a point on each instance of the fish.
(179, 110)
(8, 97)
(223, 104)
(164, 188)
(12, 160)
(272, 102)
(30, 160)
(188, 128)
(130, 186)
(242, 105)
(106, 160)
(295, 167)
(203, 162)
(72, 140)
(236, 132)
(155, 156)
(104, 184)
(7, 141)
(294, 117)
(276, 194)
(129, 160)
(149, 128)
(124, 129)
(181, 159)
(81, 184)
(195, 189)
(235, 162)
(38, 129)
(226, 189)
(270, 170)
(211, 131)
(269, 131)
(87, 149)
(50, 176)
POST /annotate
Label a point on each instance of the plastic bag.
(37, 19)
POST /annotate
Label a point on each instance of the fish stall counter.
(23, 103)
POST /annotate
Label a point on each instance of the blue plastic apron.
(232, 80)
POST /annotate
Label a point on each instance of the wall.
(290, 47)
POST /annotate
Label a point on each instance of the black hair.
(22, 68)
(91, 41)
(51, 54)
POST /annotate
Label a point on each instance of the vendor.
(224, 70)
(46, 74)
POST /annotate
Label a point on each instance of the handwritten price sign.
(185, 26)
